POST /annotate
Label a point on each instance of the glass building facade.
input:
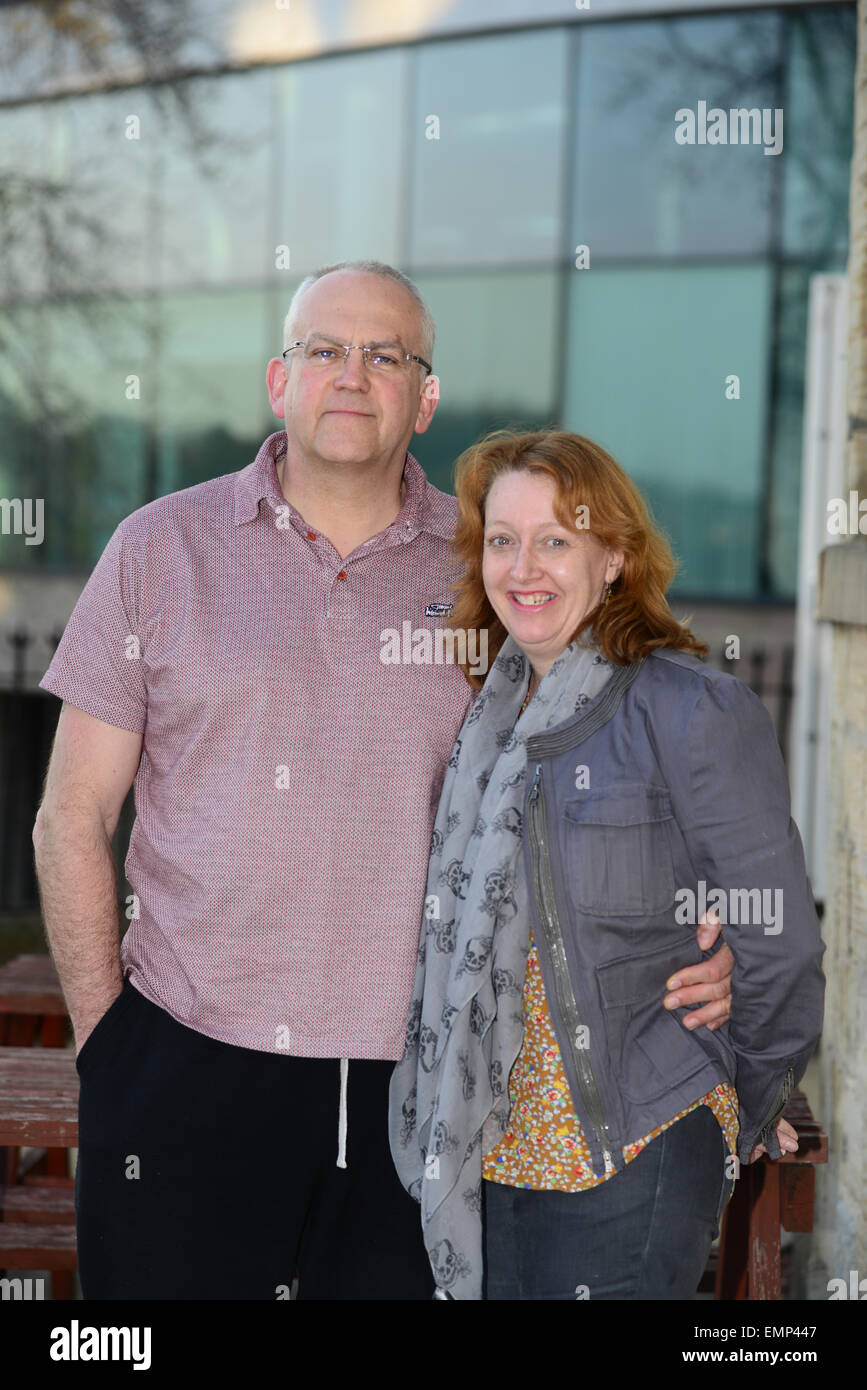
(162, 231)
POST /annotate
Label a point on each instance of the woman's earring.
(607, 594)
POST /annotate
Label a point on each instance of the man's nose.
(352, 373)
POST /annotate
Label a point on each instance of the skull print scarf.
(449, 1100)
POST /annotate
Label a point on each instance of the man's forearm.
(78, 888)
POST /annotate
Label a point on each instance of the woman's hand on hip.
(708, 984)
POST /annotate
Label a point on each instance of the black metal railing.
(24, 656)
(28, 719)
(770, 674)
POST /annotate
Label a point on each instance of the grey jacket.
(667, 786)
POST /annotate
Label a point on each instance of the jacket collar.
(588, 719)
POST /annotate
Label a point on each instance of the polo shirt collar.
(259, 479)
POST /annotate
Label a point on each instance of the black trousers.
(208, 1171)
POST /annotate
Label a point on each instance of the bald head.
(380, 280)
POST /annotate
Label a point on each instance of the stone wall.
(839, 1243)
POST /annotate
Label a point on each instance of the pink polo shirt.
(289, 779)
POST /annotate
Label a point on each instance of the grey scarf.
(449, 1099)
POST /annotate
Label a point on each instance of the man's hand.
(787, 1137)
(710, 980)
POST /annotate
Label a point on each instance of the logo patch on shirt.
(438, 610)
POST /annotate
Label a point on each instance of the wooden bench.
(32, 1010)
(38, 1097)
(25, 1246)
(37, 1202)
(768, 1195)
(32, 1007)
(39, 1107)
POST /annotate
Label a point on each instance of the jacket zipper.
(563, 985)
(782, 1099)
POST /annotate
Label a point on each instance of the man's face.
(347, 413)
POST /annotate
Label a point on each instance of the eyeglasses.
(325, 355)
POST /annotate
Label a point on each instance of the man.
(225, 654)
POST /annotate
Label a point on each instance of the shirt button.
(311, 535)
(342, 574)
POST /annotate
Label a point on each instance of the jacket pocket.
(651, 1052)
(95, 1042)
(617, 850)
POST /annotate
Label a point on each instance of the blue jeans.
(643, 1234)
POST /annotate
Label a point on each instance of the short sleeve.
(98, 664)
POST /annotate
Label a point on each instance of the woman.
(604, 786)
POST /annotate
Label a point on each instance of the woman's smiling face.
(542, 578)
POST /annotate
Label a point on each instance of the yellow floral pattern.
(544, 1147)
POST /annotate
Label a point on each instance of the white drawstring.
(342, 1123)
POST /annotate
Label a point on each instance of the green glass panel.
(651, 354)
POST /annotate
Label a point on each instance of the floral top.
(544, 1147)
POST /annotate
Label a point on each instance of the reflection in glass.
(819, 83)
(339, 158)
(651, 354)
(213, 404)
(24, 468)
(331, 158)
(638, 193)
(104, 149)
(28, 166)
(74, 418)
(487, 190)
(217, 199)
(495, 357)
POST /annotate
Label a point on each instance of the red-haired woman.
(605, 786)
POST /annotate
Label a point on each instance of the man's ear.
(275, 380)
(427, 405)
